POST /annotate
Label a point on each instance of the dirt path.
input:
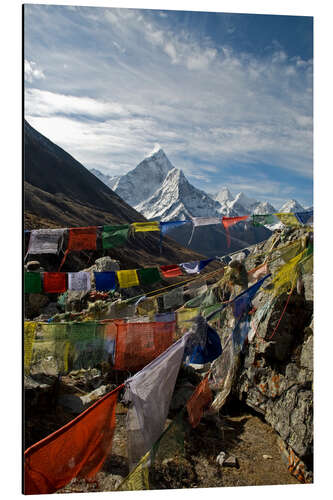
(246, 437)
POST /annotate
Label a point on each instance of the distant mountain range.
(160, 191)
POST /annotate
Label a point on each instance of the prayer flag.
(139, 343)
(29, 338)
(166, 226)
(240, 333)
(148, 307)
(230, 221)
(146, 226)
(259, 272)
(165, 317)
(242, 302)
(105, 281)
(222, 374)
(196, 266)
(173, 298)
(45, 241)
(138, 479)
(288, 219)
(128, 278)
(32, 282)
(148, 275)
(150, 392)
(171, 271)
(304, 217)
(184, 317)
(82, 238)
(191, 267)
(198, 402)
(205, 221)
(211, 350)
(54, 282)
(263, 220)
(115, 236)
(79, 281)
(119, 310)
(76, 450)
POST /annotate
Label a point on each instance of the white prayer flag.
(149, 393)
(44, 241)
(205, 221)
(79, 281)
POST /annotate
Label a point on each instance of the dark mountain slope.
(60, 192)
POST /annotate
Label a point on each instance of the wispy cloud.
(120, 81)
(32, 72)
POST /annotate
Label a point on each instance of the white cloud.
(32, 72)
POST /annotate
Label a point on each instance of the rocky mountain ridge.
(161, 191)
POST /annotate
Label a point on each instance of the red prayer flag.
(137, 344)
(198, 402)
(78, 449)
(230, 221)
(171, 271)
(82, 238)
(54, 282)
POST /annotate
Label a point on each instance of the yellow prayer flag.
(138, 479)
(146, 226)
(288, 219)
(29, 339)
(184, 316)
(148, 307)
(127, 278)
(285, 279)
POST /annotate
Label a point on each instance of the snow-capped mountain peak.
(223, 195)
(178, 199)
(141, 182)
(291, 206)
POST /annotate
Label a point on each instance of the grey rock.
(106, 264)
(181, 395)
(71, 403)
(306, 359)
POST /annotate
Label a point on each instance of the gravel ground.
(245, 437)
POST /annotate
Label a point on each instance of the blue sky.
(227, 96)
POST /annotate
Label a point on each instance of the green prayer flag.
(87, 342)
(148, 275)
(32, 282)
(115, 236)
(260, 220)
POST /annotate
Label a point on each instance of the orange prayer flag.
(230, 221)
(78, 449)
(198, 402)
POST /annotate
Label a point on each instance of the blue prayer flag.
(304, 217)
(105, 281)
(242, 303)
(240, 333)
(166, 226)
(210, 351)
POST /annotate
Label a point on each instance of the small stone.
(220, 458)
(230, 462)
(32, 265)
(266, 457)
